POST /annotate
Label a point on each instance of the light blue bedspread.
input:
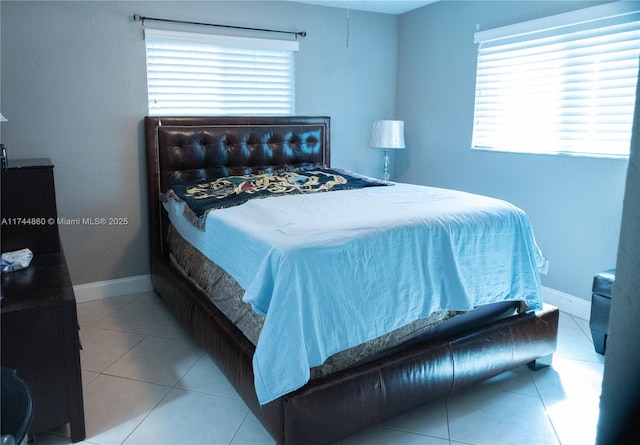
(332, 270)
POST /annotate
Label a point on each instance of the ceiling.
(384, 6)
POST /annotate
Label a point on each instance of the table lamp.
(387, 134)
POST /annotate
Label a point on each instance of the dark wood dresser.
(39, 318)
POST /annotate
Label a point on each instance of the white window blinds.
(207, 74)
(561, 85)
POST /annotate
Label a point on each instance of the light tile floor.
(146, 382)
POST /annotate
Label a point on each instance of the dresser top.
(44, 283)
(29, 163)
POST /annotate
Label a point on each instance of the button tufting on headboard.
(190, 149)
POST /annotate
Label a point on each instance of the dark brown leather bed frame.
(342, 403)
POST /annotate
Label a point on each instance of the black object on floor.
(600, 306)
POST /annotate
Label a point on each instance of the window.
(207, 74)
(561, 85)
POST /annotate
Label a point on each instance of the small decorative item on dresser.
(16, 260)
(3, 157)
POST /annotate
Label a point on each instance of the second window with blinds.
(191, 74)
(560, 85)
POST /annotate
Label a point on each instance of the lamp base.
(3, 158)
(386, 165)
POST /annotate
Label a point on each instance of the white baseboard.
(112, 288)
(568, 303)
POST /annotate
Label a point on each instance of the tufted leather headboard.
(193, 148)
(185, 149)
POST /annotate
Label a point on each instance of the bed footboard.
(324, 411)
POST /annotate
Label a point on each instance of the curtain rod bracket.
(141, 19)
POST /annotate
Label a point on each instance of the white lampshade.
(2, 118)
(387, 134)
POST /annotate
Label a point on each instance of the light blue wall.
(575, 204)
(73, 84)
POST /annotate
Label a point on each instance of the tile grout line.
(137, 380)
(544, 405)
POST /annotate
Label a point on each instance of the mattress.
(415, 251)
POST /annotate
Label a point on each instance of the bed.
(350, 391)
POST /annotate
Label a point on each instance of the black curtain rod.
(139, 18)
